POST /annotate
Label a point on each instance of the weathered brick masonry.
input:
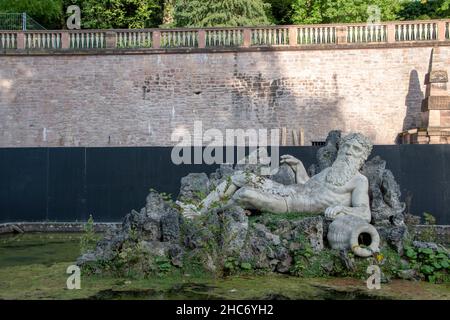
(140, 99)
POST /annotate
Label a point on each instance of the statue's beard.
(343, 170)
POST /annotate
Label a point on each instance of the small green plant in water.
(163, 265)
(429, 219)
(232, 266)
(89, 239)
(429, 234)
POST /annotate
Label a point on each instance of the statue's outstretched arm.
(301, 176)
(360, 203)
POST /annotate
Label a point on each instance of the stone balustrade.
(268, 36)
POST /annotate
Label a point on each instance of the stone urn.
(355, 234)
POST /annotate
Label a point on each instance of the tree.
(445, 9)
(220, 13)
(105, 14)
(281, 11)
(424, 9)
(342, 11)
(48, 13)
(168, 19)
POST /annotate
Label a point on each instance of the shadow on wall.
(413, 102)
(251, 95)
(285, 100)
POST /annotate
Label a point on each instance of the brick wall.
(140, 99)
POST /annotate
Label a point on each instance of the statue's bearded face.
(351, 156)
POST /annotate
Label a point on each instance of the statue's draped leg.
(249, 191)
(224, 190)
(250, 198)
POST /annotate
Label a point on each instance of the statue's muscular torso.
(316, 194)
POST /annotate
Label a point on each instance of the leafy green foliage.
(334, 11)
(220, 13)
(163, 265)
(167, 14)
(89, 238)
(425, 9)
(433, 265)
(304, 260)
(428, 234)
(132, 260)
(429, 218)
(281, 11)
(329, 263)
(233, 266)
(105, 14)
(390, 262)
(48, 12)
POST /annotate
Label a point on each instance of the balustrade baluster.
(228, 37)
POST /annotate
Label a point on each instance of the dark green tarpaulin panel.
(69, 184)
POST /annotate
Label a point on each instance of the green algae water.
(33, 266)
(38, 248)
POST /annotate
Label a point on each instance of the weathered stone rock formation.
(220, 240)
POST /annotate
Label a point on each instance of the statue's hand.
(292, 161)
(332, 212)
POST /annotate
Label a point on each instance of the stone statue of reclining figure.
(336, 191)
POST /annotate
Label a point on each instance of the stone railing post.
(293, 36)
(111, 41)
(20, 40)
(341, 34)
(247, 37)
(156, 39)
(65, 40)
(441, 25)
(201, 38)
(390, 32)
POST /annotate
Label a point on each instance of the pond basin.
(33, 266)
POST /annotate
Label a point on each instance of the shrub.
(433, 265)
(89, 239)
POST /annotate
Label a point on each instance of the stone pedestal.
(435, 128)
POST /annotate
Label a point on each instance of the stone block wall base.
(49, 227)
(441, 136)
